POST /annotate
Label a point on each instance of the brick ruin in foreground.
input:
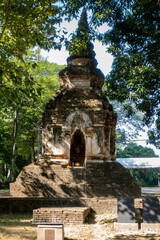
(76, 215)
(78, 140)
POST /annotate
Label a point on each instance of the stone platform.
(97, 179)
(74, 215)
(125, 227)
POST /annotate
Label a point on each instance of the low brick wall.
(74, 215)
(22, 205)
(98, 205)
(101, 205)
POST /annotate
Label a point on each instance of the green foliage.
(29, 111)
(5, 138)
(129, 122)
(154, 132)
(137, 151)
(23, 25)
(80, 43)
(145, 177)
(134, 41)
(45, 75)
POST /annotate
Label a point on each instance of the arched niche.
(77, 150)
(78, 119)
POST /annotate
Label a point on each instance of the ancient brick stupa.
(78, 135)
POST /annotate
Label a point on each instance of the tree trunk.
(1, 169)
(33, 147)
(14, 135)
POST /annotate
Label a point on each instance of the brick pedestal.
(74, 215)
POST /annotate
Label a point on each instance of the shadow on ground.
(136, 237)
(13, 233)
(17, 226)
(133, 237)
(90, 218)
(69, 239)
(15, 220)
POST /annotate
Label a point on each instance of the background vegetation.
(19, 122)
(146, 177)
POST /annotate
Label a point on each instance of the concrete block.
(151, 210)
(122, 227)
(50, 232)
(126, 211)
(150, 226)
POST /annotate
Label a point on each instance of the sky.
(104, 59)
(104, 63)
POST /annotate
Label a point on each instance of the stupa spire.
(83, 28)
(81, 71)
(81, 41)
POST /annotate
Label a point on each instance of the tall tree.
(18, 120)
(24, 24)
(134, 41)
(129, 123)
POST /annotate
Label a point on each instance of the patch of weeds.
(109, 220)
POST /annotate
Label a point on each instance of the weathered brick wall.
(67, 101)
(23, 205)
(87, 102)
(27, 205)
(47, 179)
(76, 215)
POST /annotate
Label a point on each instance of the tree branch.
(7, 15)
(19, 26)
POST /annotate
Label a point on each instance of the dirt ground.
(97, 227)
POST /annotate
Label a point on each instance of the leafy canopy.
(134, 41)
(137, 151)
(29, 111)
(24, 24)
(147, 177)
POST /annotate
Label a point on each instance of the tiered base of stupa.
(53, 179)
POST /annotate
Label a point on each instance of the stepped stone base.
(50, 179)
(74, 215)
(125, 227)
(150, 226)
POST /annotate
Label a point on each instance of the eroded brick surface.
(74, 215)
